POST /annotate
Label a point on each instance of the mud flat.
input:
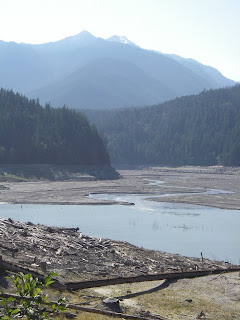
(180, 185)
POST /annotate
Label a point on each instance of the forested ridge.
(30, 133)
(201, 129)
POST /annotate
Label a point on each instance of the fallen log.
(143, 278)
(11, 249)
(11, 223)
(119, 280)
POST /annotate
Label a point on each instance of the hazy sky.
(205, 30)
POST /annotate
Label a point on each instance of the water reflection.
(156, 225)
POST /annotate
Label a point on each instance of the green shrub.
(32, 302)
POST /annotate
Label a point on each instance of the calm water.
(175, 228)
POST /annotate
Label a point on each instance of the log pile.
(77, 257)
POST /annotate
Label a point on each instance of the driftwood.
(72, 254)
(11, 223)
(8, 248)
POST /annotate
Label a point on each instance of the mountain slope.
(179, 79)
(34, 69)
(30, 133)
(106, 83)
(203, 71)
(200, 129)
(22, 68)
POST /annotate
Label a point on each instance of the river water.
(175, 228)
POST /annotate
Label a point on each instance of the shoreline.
(96, 202)
(101, 203)
(119, 203)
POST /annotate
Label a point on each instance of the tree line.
(30, 133)
(201, 129)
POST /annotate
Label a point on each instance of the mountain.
(106, 83)
(82, 39)
(199, 129)
(84, 71)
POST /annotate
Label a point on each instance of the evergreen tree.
(30, 133)
(201, 129)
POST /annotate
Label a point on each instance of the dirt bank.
(35, 172)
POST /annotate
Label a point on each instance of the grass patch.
(11, 177)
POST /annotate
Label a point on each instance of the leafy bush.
(32, 302)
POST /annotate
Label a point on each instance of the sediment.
(192, 181)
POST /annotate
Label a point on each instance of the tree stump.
(112, 304)
(43, 265)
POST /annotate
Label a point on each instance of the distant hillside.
(203, 71)
(201, 129)
(88, 72)
(30, 133)
(107, 83)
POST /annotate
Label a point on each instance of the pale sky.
(205, 30)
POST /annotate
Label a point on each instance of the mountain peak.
(121, 39)
(83, 36)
